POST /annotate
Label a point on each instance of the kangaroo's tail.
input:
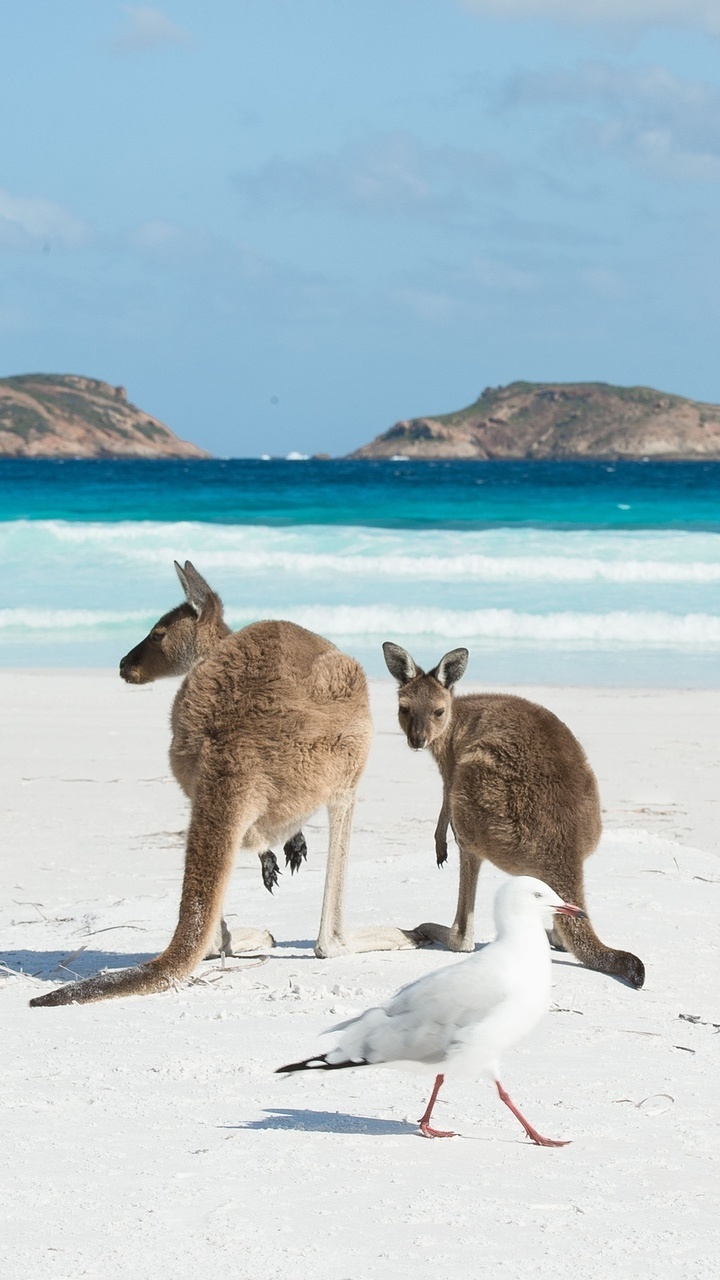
(208, 862)
(579, 937)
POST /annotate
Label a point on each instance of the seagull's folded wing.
(422, 1020)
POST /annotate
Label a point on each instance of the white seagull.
(461, 1018)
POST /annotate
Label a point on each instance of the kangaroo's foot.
(555, 940)
(382, 937)
(270, 869)
(374, 938)
(332, 945)
(232, 942)
(295, 850)
(447, 936)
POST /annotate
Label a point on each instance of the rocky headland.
(560, 420)
(52, 415)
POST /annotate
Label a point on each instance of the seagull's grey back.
(476, 1007)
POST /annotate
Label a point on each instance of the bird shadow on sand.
(297, 1119)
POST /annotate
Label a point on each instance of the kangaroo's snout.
(128, 671)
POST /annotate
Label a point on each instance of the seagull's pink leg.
(424, 1120)
(531, 1133)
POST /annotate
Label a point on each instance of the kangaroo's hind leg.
(460, 936)
(333, 938)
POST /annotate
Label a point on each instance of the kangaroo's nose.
(126, 668)
(417, 741)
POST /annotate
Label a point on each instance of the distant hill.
(53, 415)
(560, 420)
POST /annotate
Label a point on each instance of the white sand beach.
(149, 1137)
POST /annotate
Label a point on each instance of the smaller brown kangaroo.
(270, 723)
(517, 790)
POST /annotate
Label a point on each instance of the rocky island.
(52, 415)
(560, 420)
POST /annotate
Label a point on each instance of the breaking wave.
(497, 556)
(647, 629)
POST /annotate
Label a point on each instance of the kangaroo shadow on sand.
(63, 966)
(297, 1119)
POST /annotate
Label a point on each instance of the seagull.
(459, 1019)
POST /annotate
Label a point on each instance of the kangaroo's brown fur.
(517, 790)
(270, 723)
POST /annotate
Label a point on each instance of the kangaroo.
(270, 723)
(517, 790)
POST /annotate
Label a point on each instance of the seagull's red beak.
(569, 909)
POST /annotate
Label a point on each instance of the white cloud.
(702, 14)
(646, 115)
(490, 273)
(605, 283)
(431, 307)
(147, 29)
(27, 222)
(392, 174)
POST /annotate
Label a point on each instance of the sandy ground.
(149, 1136)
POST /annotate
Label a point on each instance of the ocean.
(549, 572)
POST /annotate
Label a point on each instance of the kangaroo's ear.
(198, 592)
(451, 668)
(399, 663)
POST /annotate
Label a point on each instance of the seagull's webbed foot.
(295, 850)
(531, 1132)
(428, 1132)
(270, 869)
(425, 1128)
(545, 1142)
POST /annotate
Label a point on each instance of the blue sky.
(284, 224)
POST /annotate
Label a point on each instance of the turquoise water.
(551, 572)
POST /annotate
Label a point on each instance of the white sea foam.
(327, 552)
(439, 568)
(506, 624)
(372, 621)
(68, 619)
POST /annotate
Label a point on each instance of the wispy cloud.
(699, 14)
(646, 115)
(233, 277)
(29, 222)
(393, 174)
(147, 29)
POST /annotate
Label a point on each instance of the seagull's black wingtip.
(320, 1063)
(308, 1064)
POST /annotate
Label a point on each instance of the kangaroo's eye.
(439, 712)
(158, 635)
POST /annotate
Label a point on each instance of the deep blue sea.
(562, 572)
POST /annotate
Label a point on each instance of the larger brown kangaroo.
(270, 723)
(517, 790)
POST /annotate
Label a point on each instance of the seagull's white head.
(526, 897)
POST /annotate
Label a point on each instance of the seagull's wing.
(421, 1021)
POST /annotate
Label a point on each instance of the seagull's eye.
(538, 894)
